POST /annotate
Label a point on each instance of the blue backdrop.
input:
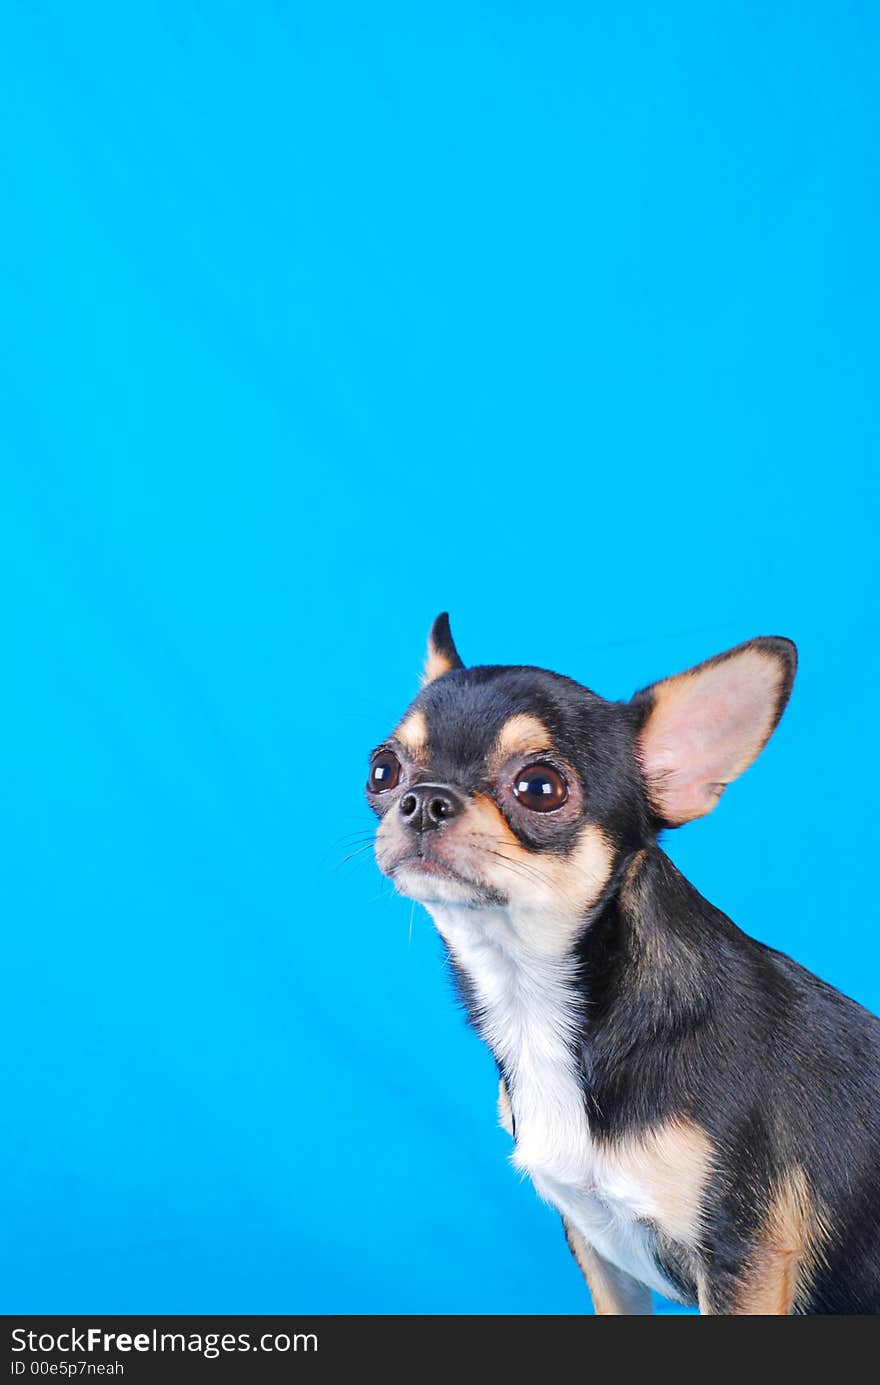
(320, 318)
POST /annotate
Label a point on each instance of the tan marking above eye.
(412, 733)
(521, 734)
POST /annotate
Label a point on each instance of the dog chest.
(614, 1207)
(527, 1011)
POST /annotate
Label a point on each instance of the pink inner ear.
(705, 728)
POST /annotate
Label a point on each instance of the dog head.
(519, 788)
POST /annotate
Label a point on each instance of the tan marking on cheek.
(520, 735)
(484, 820)
(584, 874)
(669, 1168)
(787, 1253)
(552, 892)
(413, 732)
(614, 1293)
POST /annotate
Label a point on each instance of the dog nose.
(426, 806)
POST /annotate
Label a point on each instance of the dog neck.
(574, 1009)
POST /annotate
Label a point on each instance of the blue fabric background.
(318, 319)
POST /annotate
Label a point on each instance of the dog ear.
(702, 728)
(442, 656)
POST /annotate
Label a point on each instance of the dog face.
(519, 788)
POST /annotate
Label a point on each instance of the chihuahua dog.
(702, 1111)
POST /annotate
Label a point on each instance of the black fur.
(778, 1067)
(683, 1013)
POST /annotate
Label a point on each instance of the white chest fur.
(528, 1010)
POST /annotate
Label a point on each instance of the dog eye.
(540, 788)
(384, 772)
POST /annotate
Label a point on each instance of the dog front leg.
(614, 1293)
